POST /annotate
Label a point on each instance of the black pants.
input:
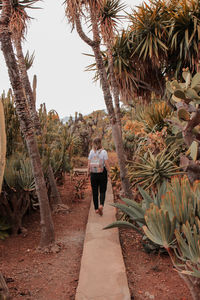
(99, 184)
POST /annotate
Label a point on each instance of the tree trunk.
(47, 228)
(114, 87)
(34, 116)
(108, 99)
(4, 291)
(26, 84)
(55, 196)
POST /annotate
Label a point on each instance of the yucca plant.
(153, 169)
(184, 25)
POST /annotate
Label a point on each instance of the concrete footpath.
(102, 274)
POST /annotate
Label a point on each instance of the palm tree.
(109, 17)
(47, 228)
(18, 27)
(91, 10)
(184, 34)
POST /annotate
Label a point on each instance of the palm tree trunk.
(26, 84)
(34, 116)
(108, 100)
(55, 196)
(114, 86)
(47, 228)
(116, 132)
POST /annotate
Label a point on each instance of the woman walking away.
(98, 169)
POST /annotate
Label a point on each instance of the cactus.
(183, 114)
(2, 144)
(186, 91)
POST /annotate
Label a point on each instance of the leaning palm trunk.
(107, 98)
(26, 83)
(114, 86)
(47, 228)
(56, 199)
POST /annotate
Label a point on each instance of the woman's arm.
(107, 166)
(88, 169)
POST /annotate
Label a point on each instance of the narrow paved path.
(102, 273)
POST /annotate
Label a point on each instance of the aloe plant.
(136, 211)
(170, 218)
(19, 184)
(160, 229)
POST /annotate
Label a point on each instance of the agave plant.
(153, 169)
(153, 116)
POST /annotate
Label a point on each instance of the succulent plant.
(153, 169)
(186, 98)
(186, 91)
(160, 229)
(18, 173)
(153, 116)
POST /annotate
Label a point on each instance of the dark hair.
(97, 143)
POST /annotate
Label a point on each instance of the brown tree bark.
(33, 113)
(114, 86)
(95, 44)
(47, 228)
(4, 291)
(55, 196)
(26, 84)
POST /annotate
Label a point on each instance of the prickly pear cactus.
(187, 91)
(186, 97)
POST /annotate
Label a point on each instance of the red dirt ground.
(32, 275)
(54, 276)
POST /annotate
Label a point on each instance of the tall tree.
(109, 18)
(90, 10)
(18, 27)
(47, 228)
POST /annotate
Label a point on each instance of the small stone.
(147, 294)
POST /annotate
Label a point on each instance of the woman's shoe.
(97, 211)
(101, 210)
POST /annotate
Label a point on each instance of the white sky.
(59, 63)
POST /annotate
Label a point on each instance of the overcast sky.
(63, 83)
